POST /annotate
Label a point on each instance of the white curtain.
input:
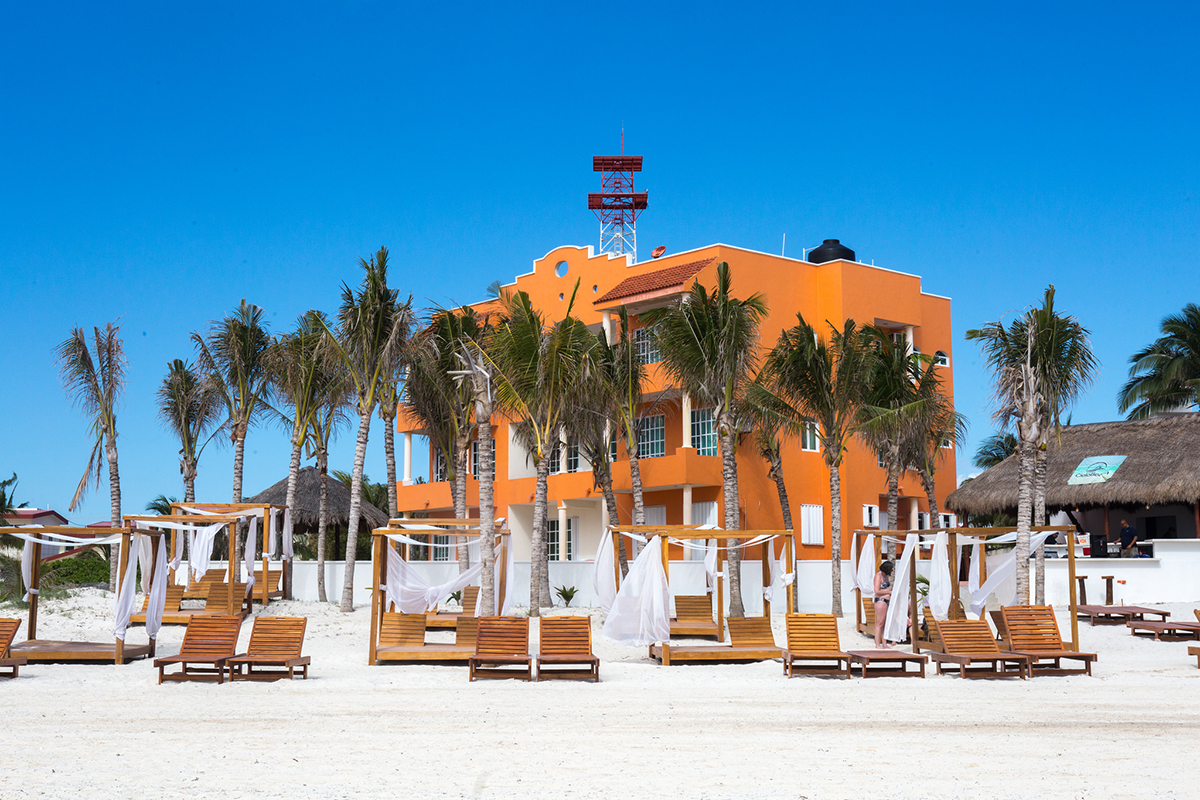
(897, 613)
(200, 549)
(510, 564)
(781, 578)
(123, 605)
(604, 579)
(158, 591)
(145, 556)
(973, 574)
(248, 554)
(866, 567)
(27, 569)
(1005, 570)
(641, 612)
(288, 552)
(409, 591)
(941, 590)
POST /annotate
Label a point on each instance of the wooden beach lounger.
(694, 617)
(1195, 651)
(967, 642)
(751, 639)
(500, 644)
(216, 603)
(566, 642)
(8, 629)
(275, 643)
(1118, 614)
(812, 639)
(888, 663)
(449, 619)
(198, 588)
(274, 579)
(868, 624)
(402, 641)
(210, 640)
(1171, 631)
(1033, 631)
(172, 605)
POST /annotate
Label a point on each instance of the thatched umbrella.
(305, 513)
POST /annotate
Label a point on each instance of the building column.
(562, 531)
(913, 510)
(686, 420)
(604, 521)
(606, 322)
(687, 504)
(408, 459)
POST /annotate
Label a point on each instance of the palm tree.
(8, 504)
(94, 380)
(808, 380)
(769, 431)
(941, 428)
(709, 345)
(161, 505)
(329, 415)
(303, 373)
(537, 368)
(188, 406)
(372, 332)
(476, 371)
(1042, 363)
(1165, 376)
(994, 449)
(234, 355)
(436, 395)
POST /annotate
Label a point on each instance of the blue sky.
(158, 165)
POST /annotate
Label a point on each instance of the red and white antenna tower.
(617, 205)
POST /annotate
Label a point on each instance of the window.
(652, 437)
(949, 520)
(555, 547)
(871, 516)
(475, 458)
(572, 538)
(704, 432)
(645, 346)
(552, 539)
(812, 524)
(556, 459)
(882, 463)
(941, 359)
(441, 548)
(572, 457)
(439, 465)
(809, 439)
(922, 521)
(612, 449)
(946, 443)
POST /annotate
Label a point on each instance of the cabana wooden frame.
(36, 650)
(435, 619)
(261, 593)
(663, 650)
(379, 568)
(858, 544)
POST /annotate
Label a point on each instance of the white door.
(703, 513)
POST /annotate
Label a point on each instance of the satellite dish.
(658, 251)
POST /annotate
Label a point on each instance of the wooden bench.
(198, 588)
(888, 663)
(1170, 631)
(812, 639)
(694, 617)
(449, 619)
(8, 629)
(500, 644)
(274, 581)
(1118, 614)
(173, 603)
(967, 642)
(210, 640)
(216, 603)
(275, 643)
(402, 641)
(751, 639)
(566, 642)
(1033, 631)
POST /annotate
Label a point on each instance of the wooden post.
(1196, 513)
(231, 535)
(122, 563)
(378, 554)
(953, 555)
(1071, 589)
(791, 587)
(505, 543)
(912, 600)
(616, 543)
(720, 593)
(155, 543)
(856, 548)
(768, 553)
(666, 562)
(35, 583)
(171, 556)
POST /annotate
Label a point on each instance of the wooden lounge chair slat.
(1033, 631)
(209, 639)
(750, 639)
(501, 642)
(274, 642)
(567, 641)
(812, 640)
(694, 617)
(8, 630)
(967, 642)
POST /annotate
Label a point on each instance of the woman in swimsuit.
(883, 596)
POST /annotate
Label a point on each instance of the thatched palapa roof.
(1162, 466)
(305, 513)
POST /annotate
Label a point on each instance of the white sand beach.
(355, 731)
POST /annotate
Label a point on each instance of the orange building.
(680, 468)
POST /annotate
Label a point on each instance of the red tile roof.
(666, 278)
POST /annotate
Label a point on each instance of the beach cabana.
(276, 521)
(118, 651)
(441, 527)
(751, 638)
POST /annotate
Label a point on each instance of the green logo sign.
(1095, 469)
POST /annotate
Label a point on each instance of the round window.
(595, 288)
(562, 296)
(560, 268)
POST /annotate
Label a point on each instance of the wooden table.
(893, 663)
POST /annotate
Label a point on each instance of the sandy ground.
(354, 731)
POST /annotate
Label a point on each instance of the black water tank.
(830, 250)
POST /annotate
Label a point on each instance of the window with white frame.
(810, 437)
(652, 436)
(941, 359)
(475, 458)
(572, 457)
(812, 524)
(948, 520)
(552, 539)
(646, 347)
(556, 459)
(704, 432)
(441, 548)
(612, 449)
(882, 463)
(572, 538)
(871, 516)
(947, 443)
(922, 521)
(439, 465)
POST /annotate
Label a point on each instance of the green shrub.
(86, 567)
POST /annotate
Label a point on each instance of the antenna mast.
(617, 205)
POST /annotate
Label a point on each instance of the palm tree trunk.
(462, 458)
(1025, 460)
(487, 511)
(539, 557)
(1039, 519)
(776, 473)
(893, 498)
(189, 480)
(931, 497)
(729, 481)
(235, 550)
(835, 536)
(635, 480)
(360, 457)
(389, 452)
(604, 478)
(293, 476)
(114, 500)
(322, 523)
